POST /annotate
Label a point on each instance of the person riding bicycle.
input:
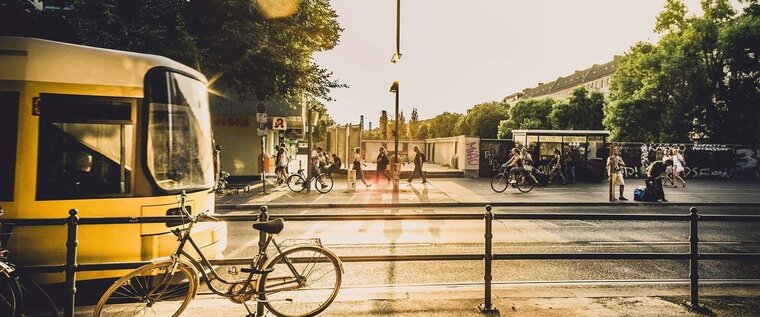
(528, 164)
(514, 165)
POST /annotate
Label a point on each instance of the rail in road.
(693, 256)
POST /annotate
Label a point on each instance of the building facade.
(594, 78)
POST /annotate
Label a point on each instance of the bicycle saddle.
(273, 227)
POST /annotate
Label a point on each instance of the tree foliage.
(483, 120)
(700, 81)
(441, 126)
(229, 39)
(582, 111)
(527, 114)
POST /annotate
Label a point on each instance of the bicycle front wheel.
(319, 272)
(295, 183)
(154, 289)
(525, 183)
(328, 183)
(10, 296)
(36, 302)
(499, 183)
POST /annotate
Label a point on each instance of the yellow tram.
(110, 133)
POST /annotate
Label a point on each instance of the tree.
(383, 126)
(413, 125)
(232, 40)
(580, 112)
(441, 125)
(422, 132)
(528, 114)
(696, 82)
(483, 120)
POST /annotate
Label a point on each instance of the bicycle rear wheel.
(499, 183)
(151, 290)
(321, 275)
(327, 179)
(295, 183)
(11, 300)
(525, 183)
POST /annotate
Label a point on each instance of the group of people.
(323, 163)
(672, 163)
(383, 161)
(522, 161)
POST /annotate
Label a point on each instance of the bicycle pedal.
(256, 271)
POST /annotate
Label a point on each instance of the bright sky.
(457, 54)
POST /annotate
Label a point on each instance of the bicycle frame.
(201, 265)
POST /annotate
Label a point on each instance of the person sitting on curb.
(615, 167)
(655, 174)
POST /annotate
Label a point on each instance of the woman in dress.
(358, 163)
(678, 168)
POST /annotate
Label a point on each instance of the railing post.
(487, 306)
(71, 263)
(694, 258)
(263, 217)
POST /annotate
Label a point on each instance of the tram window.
(85, 147)
(9, 104)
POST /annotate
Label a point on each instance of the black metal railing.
(71, 267)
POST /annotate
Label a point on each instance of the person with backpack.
(382, 162)
(615, 167)
(655, 174)
(419, 158)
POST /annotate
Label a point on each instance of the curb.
(474, 204)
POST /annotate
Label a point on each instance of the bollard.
(487, 307)
(263, 217)
(351, 180)
(694, 259)
(71, 263)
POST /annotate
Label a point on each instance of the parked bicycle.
(523, 182)
(20, 296)
(297, 182)
(301, 280)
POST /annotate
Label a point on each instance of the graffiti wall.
(493, 153)
(702, 160)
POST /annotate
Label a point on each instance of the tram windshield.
(179, 154)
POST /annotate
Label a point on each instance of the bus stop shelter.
(590, 144)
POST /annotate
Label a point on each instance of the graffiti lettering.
(473, 157)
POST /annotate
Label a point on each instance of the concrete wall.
(371, 148)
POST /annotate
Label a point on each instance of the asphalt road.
(517, 236)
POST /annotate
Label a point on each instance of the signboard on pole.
(262, 131)
(279, 123)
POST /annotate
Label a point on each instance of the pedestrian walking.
(358, 163)
(571, 160)
(678, 168)
(556, 167)
(528, 164)
(655, 174)
(382, 163)
(281, 162)
(287, 157)
(419, 159)
(615, 166)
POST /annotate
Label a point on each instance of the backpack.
(422, 157)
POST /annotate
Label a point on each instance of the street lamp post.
(396, 165)
(397, 55)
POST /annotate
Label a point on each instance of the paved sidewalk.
(517, 299)
(477, 192)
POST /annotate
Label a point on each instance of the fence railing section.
(71, 267)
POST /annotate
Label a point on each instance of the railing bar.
(740, 218)
(729, 256)
(41, 269)
(558, 216)
(592, 256)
